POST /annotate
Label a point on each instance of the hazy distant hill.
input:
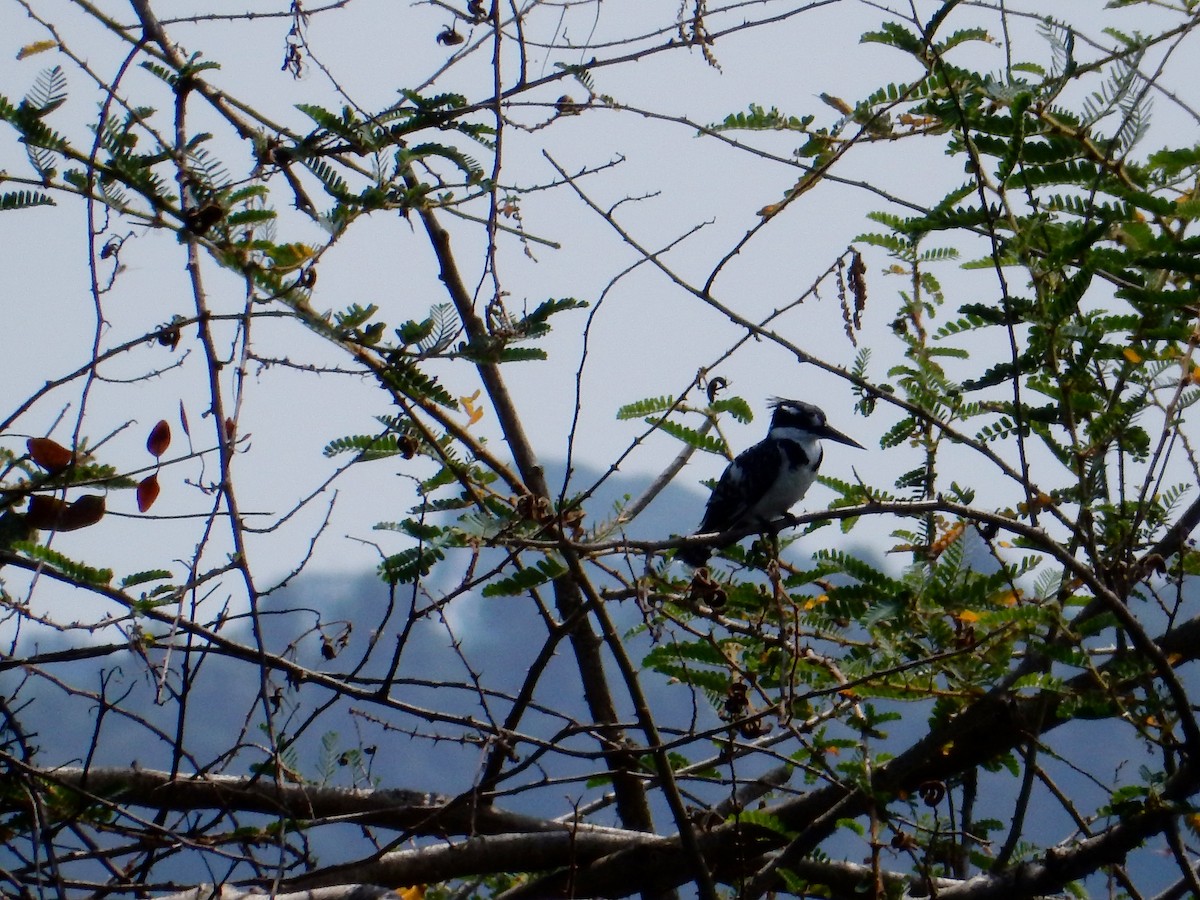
(497, 637)
(491, 633)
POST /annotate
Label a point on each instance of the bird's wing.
(742, 485)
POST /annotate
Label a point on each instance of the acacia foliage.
(852, 726)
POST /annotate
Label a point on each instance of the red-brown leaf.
(49, 513)
(147, 492)
(50, 455)
(159, 439)
(87, 510)
(44, 512)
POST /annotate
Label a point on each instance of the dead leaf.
(45, 512)
(49, 454)
(159, 439)
(36, 47)
(87, 510)
(51, 513)
(147, 492)
(474, 413)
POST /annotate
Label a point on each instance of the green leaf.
(142, 577)
(536, 323)
(369, 446)
(409, 565)
(412, 332)
(640, 408)
(519, 354)
(760, 119)
(344, 126)
(895, 243)
(764, 820)
(863, 572)
(713, 682)
(690, 436)
(24, 200)
(898, 433)
(333, 183)
(469, 167)
(445, 326)
(895, 35)
(249, 217)
(695, 651)
(1171, 162)
(406, 378)
(962, 36)
(1013, 153)
(76, 571)
(414, 528)
(288, 256)
(524, 580)
(736, 407)
(1187, 263)
(48, 93)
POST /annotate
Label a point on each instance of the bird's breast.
(798, 465)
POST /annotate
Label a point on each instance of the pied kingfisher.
(765, 481)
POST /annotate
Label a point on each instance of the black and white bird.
(768, 479)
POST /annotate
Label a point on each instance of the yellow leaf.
(1132, 355)
(968, 615)
(36, 47)
(814, 602)
(474, 414)
(288, 257)
(1036, 504)
(952, 534)
(837, 103)
(412, 893)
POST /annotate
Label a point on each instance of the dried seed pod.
(203, 218)
(159, 438)
(147, 492)
(715, 386)
(53, 514)
(49, 454)
(45, 512)
(932, 792)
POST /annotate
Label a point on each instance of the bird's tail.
(695, 556)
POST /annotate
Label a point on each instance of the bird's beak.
(834, 435)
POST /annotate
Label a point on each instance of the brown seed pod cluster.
(703, 590)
